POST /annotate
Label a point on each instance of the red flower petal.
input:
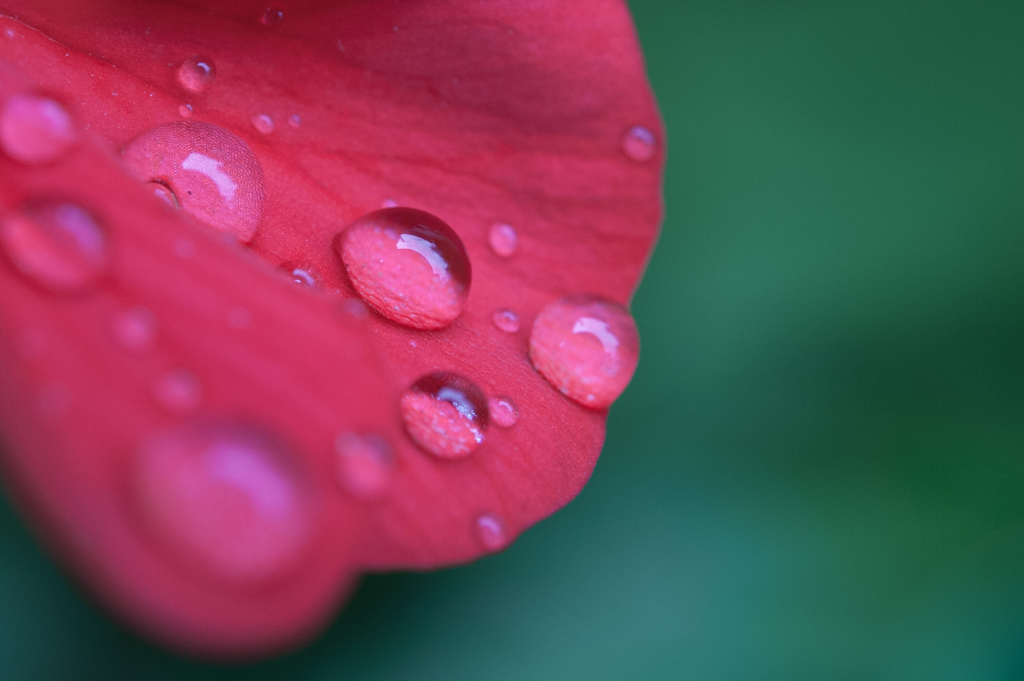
(481, 114)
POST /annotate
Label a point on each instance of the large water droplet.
(134, 329)
(408, 265)
(224, 498)
(35, 130)
(503, 240)
(506, 320)
(263, 123)
(490, 529)
(214, 175)
(179, 391)
(196, 73)
(446, 414)
(586, 347)
(639, 144)
(56, 245)
(503, 411)
(365, 464)
(272, 16)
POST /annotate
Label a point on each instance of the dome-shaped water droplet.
(134, 329)
(490, 529)
(503, 411)
(35, 130)
(56, 245)
(506, 320)
(295, 121)
(179, 391)
(303, 277)
(446, 414)
(586, 347)
(272, 16)
(185, 111)
(365, 464)
(639, 144)
(214, 175)
(263, 123)
(196, 73)
(503, 240)
(164, 193)
(408, 265)
(224, 498)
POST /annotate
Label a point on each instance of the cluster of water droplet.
(229, 494)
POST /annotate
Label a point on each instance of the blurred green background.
(817, 472)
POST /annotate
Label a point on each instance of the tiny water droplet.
(164, 193)
(263, 123)
(445, 414)
(272, 16)
(239, 318)
(35, 130)
(224, 498)
(389, 203)
(196, 73)
(408, 265)
(56, 245)
(506, 320)
(295, 120)
(503, 411)
(134, 329)
(503, 240)
(356, 308)
(365, 464)
(54, 400)
(639, 144)
(490, 529)
(212, 172)
(179, 390)
(31, 343)
(303, 277)
(183, 248)
(185, 111)
(586, 347)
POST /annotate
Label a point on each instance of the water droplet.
(586, 347)
(54, 400)
(272, 16)
(56, 245)
(31, 343)
(389, 203)
(356, 308)
(178, 390)
(639, 144)
(239, 318)
(185, 111)
(214, 175)
(196, 73)
(134, 329)
(303, 277)
(263, 123)
(365, 464)
(446, 414)
(164, 193)
(295, 120)
(503, 411)
(503, 240)
(35, 130)
(407, 265)
(224, 498)
(490, 528)
(506, 320)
